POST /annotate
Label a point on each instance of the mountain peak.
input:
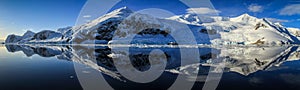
(245, 15)
(115, 15)
(28, 32)
(120, 12)
(244, 18)
(124, 9)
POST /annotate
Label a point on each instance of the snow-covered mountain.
(246, 18)
(244, 29)
(125, 24)
(15, 38)
(101, 29)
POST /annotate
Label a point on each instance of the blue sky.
(285, 11)
(17, 16)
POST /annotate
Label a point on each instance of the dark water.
(67, 67)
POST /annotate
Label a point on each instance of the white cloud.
(292, 9)
(87, 16)
(255, 8)
(277, 20)
(203, 11)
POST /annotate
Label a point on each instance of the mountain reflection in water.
(242, 67)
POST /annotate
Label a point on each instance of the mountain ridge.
(244, 29)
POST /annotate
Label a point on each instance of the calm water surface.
(53, 67)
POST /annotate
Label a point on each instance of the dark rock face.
(106, 30)
(153, 31)
(259, 25)
(210, 32)
(140, 61)
(208, 56)
(46, 34)
(47, 52)
(103, 59)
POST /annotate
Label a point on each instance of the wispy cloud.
(292, 9)
(207, 11)
(87, 16)
(277, 20)
(255, 8)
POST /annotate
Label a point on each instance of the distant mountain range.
(121, 25)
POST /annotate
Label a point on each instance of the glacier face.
(122, 24)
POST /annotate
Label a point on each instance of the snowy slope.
(250, 30)
(294, 31)
(66, 32)
(245, 18)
